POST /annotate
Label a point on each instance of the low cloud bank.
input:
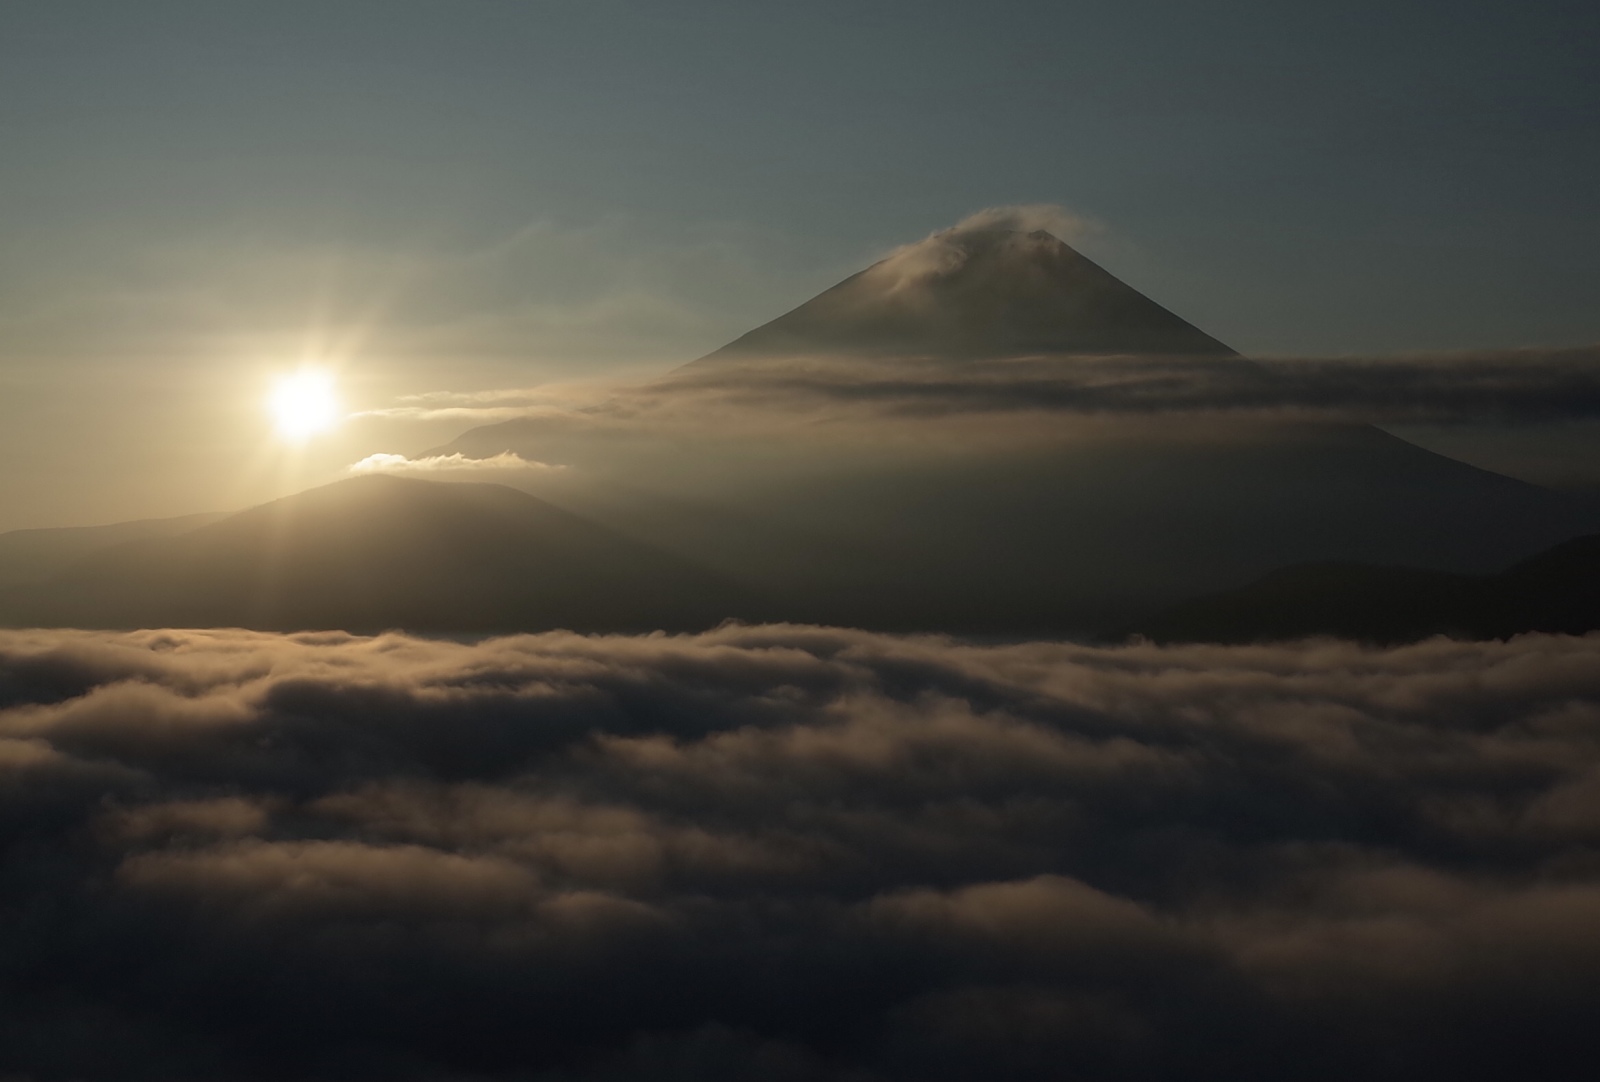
(452, 463)
(795, 853)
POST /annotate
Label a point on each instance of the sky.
(789, 851)
(466, 195)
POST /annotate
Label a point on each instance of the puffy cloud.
(259, 880)
(795, 852)
(222, 817)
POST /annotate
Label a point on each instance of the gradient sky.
(467, 194)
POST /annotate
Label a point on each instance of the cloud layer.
(789, 852)
(1515, 386)
(1521, 385)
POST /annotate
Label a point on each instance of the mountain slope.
(975, 294)
(1555, 591)
(1060, 536)
(1050, 539)
(378, 552)
(35, 555)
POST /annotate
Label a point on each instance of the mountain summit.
(968, 294)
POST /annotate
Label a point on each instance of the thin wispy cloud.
(942, 251)
(1508, 385)
(1532, 385)
(452, 463)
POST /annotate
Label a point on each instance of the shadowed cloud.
(794, 852)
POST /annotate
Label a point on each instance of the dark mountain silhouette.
(382, 552)
(1556, 591)
(965, 295)
(35, 555)
(1051, 540)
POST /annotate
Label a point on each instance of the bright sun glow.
(304, 404)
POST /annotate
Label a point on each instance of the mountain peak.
(970, 293)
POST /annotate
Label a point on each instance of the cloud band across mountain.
(795, 853)
(1507, 386)
(1513, 385)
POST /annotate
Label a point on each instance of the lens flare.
(304, 404)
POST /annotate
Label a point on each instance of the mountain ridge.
(378, 552)
(34, 554)
(1556, 590)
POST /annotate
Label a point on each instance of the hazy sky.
(455, 195)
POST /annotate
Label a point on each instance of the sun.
(303, 404)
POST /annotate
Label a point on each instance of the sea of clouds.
(786, 852)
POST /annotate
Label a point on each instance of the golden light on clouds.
(303, 404)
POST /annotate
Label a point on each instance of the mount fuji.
(1055, 539)
(975, 294)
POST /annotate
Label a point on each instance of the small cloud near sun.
(304, 403)
(507, 460)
